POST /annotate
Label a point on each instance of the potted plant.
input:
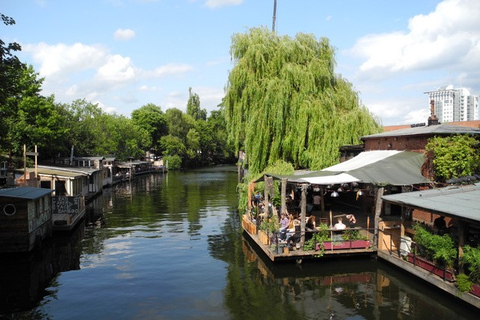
(470, 282)
(439, 252)
(267, 228)
(317, 241)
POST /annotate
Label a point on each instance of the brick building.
(413, 138)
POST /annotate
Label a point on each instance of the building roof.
(380, 167)
(471, 124)
(89, 158)
(440, 129)
(29, 193)
(458, 201)
(68, 172)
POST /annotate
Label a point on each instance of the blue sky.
(123, 54)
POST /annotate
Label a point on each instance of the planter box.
(475, 290)
(430, 267)
(263, 237)
(346, 245)
(248, 225)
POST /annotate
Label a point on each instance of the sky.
(124, 54)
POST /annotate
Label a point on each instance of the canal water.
(171, 247)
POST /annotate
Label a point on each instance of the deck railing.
(404, 248)
(338, 240)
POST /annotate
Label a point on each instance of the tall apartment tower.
(452, 105)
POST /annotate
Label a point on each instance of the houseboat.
(26, 218)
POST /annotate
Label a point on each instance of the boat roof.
(67, 172)
(29, 193)
(455, 201)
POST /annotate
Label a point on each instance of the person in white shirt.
(339, 225)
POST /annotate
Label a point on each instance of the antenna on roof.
(432, 120)
(274, 14)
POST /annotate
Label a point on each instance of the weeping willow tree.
(284, 102)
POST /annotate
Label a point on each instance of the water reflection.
(339, 289)
(171, 247)
(24, 277)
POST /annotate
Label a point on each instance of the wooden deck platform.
(277, 252)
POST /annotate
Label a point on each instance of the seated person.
(440, 224)
(339, 226)
(351, 220)
(284, 221)
(294, 238)
(309, 227)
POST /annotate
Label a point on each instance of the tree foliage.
(94, 132)
(193, 106)
(454, 156)
(151, 119)
(10, 66)
(284, 101)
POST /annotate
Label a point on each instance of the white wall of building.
(453, 105)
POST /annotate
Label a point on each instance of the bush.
(440, 249)
(471, 258)
(318, 238)
(463, 283)
(174, 162)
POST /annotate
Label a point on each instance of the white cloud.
(398, 110)
(171, 69)
(57, 61)
(80, 71)
(222, 3)
(124, 34)
(117, 69)
(445, 38)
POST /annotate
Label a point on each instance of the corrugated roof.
(29, 193)
(66, 171)
(460, 201)
(440, 129)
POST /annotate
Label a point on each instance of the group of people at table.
(290, 227)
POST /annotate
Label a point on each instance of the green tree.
(214, 142)
(31, 119)
(193, 106)
(40, 123)
(151, 119)
(284, 101)
(128, 140)
(81, 116)
(193, 144)
(174, 151)
(10, 67)
(94, 132)
(179, 123)
(453, 157)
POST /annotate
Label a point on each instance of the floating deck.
(280, 252)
